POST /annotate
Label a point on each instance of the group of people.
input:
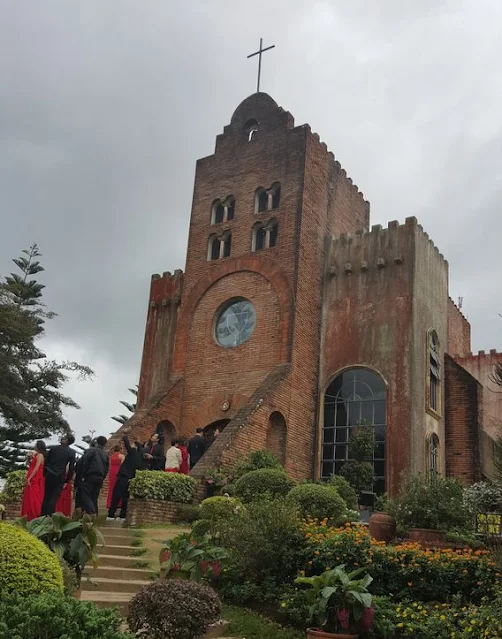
(48, 487)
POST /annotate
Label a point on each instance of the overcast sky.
(105, 105)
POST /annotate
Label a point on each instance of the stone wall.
(147, 512)
(12, 509)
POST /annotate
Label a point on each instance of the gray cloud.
(105, 106)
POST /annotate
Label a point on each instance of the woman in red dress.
(116, 460)
(185, 459)
(64, 503)
(33, 494)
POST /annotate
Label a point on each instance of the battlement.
(166, 289)
(481, 356)
(378, 248)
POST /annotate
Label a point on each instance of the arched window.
(265, 235)
(356, 396)
(276, 435)
(434, 400)
(260, 201)
(433, 454)
(219, 246)
(223, 211)
(275, 195)
(250, 128)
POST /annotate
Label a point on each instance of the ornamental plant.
(187, 558)
(483, 497)
(358, 469)
(173, 609)
(318, 502)
(263, 483)
(14, 485)
(155, 484)
(339, 602)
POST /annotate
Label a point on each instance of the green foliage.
(55, 616)
(14, 485)
(27, 566)
(358, 469)
(70, 579)
(339, 602)
(122, 419)
(215, 508)
(193, 558)
(359, 474)
(31, 401)
(483, 497)
(317, 501)
(173, 609)
(255, 460)
(344, 489)
(189, 513)
(155, 484)
(74, 539)
(265, 482)
(244, 623)
(266, 547)
(435, 503)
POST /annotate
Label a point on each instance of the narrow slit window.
(434, 371)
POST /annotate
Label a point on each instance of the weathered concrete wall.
(459, 331)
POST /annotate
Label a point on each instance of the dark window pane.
(329, 415)
(340, 451)
(380, 451)
(215, 249)
(327, 469)
(341, 414)
(276, 198)
(262, 202)
(380, 433)
(329, 435)
(341, 434)
(380, 412)
(327, 451)
(274, 231)
(261, 234)
(379, 486)
(379, 468)
(367, 412)
(354, 413)
(230, 210)
(228, 245)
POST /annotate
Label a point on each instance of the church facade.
(295, 321)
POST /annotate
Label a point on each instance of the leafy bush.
(156, 484)
(27, 566)
(70, 579)
(430, 503)
(320, 502)
(173, 609)
(73, 538)
(266, 546)
(265, 482)
(256, 460)
(483, 497)
(344, 489)
(14, 485)
(54, 616)
(214, 508)
(189, 513)
(195, 558)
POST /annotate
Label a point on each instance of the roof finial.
(258, 53)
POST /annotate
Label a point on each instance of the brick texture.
(148, 512)
(12, 509)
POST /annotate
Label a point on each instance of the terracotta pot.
(426, 535)
(382, 526)
(312, 633)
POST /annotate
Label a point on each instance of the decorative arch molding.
(433, 454)
(268, 270)
(341, 370)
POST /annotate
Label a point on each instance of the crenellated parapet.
(166, 289)
(492, 356)
(378, 249)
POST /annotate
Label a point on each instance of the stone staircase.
(117, 577)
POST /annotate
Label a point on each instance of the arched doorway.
(217, 425)
(276, 435)
(356, 396)
(167, 432)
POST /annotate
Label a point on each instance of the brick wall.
(459, 331)
(148, 512)
(464, 406)
(12, 509)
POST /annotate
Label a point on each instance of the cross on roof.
(258, 53)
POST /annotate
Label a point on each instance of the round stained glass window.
(235, 323)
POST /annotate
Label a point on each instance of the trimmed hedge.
(266, 482)
(319, 502)
(27, 566)
(156, 484)
(214, 508)
(14, 485)
(344, 489)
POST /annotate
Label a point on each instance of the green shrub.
(70, 579)
(319, 502)
(214, 508)
(14, 485)
(344, 489)
(173, 609)
(156, 484)
(54, 616)
(27, 566)
(189, 513)
(256, 460)
(435, 503)
(266, 482)
(200, 528)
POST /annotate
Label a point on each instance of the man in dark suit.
(92, 469)
(58, 459)
(154, 453)
(135, 460)
(196, 447)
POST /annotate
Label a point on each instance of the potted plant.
(382, 525)
(339, 603)
(358, 469)
(187, 558)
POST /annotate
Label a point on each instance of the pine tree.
(121, 419)
(31, 401)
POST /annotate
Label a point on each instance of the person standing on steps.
(133, 461)
(154, 453)
(196, 447)
(59, 467)
(93, 469)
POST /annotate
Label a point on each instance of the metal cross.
(258, 53)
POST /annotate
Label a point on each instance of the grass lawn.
(244, 623)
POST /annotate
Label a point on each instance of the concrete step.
(118, 600)
(105, 584)
(120, 538)
(114, 572)
(120, 561)
(120, 550)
